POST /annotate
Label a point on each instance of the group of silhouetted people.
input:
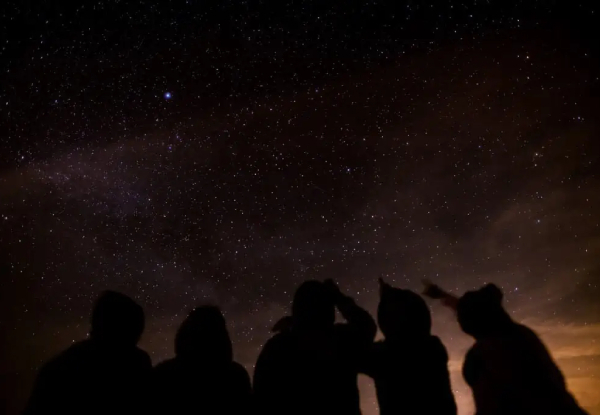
(310, 366)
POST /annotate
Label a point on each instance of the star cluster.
(223, 152)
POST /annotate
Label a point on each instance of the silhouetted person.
(311, 365)
(409, 367)
(202, 378)
(104, 374)
(508, 368)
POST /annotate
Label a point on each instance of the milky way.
(181, 177)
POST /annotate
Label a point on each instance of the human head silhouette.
(313, 306)
(480, 312)
(402, 314)
(117, 320)
(203, 336)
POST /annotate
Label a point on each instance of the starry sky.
(224, 151)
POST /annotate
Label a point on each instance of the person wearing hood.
(310, 366)
(202, 378)
(410, 366)
(509, 369)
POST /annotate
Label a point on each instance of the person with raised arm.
(311, 364)
(509, 369)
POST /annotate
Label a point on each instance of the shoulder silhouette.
(311, 364)
(202, 377)
(409, 367)
(106, 373)
(509, 369)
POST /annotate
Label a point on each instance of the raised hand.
(284, 323)
(433, 291)
(332, 288)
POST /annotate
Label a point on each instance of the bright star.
(167, 95)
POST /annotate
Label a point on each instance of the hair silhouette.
(509, 369)
(311, 364)
(409, 367)
(402, 313)
(117, 319)
(480, 313)
(202, 378)
(204, 335)
(105, 373)
(313, 305)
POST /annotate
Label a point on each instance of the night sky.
(224, 151)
